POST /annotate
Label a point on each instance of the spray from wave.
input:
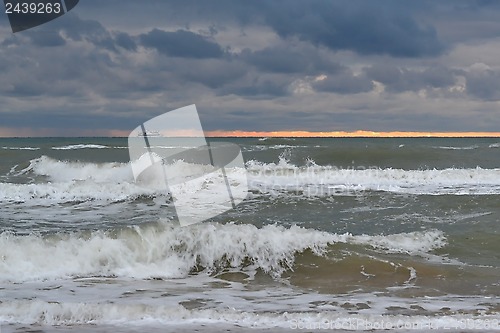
(165, 251)
(63, 181)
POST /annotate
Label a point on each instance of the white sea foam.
(267, 147)
(86, 146)
(315, 180)
(494, 145)
(56, 313)
(165, 251)
(61, 171)
(413, 242)
(21, 148)
(458, 148)
(76, 181)
(71, 192)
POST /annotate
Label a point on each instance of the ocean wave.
(267, 147)
(494, 145)
(165, 251)
(76, 181)
(35, 194)
(73, 181)
(330, 318)
(457, 148)
(21, 148)
(276, 138)
(61, 171)
(315, 180)
(86, 146)
(66, 181)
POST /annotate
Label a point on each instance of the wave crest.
(164, 251)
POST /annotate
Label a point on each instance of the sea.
(335, 234)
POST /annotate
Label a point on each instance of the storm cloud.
(181, 43)
(398, 79)
(365, 28)
(257, 65)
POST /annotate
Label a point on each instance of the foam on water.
(267, 147)
(165, 251)
(62, 171)
(50, 193)
(75, 181)
(457, 148)
(315, 180)
(47, 279)
(330, 318)
(21, 148)
(85, 146)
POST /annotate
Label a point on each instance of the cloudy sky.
(107, 66)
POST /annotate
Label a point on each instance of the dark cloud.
(363, 27)
(212, 73)
(46, 38)
(398, 79)
(369, 28)
(155, 13)
(181, 43)
(82, 120)
(110, 63)
(77, 29)
(125, 41)
(72, 28)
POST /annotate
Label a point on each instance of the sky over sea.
(255, 66)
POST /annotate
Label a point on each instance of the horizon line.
(351, 134)
(278, 134)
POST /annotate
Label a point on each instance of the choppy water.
(335, 233)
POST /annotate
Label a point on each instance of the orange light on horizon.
(49, 132)
(353, 134)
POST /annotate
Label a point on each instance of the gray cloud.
(258, 86)
(276, 60)
(88, 70)
(386, 27)
(483, 84)
(46, 38)
(290, 59)
(181, 43)
(125, 41)
(78, 29)
(365, 28)
(212, 73)
(398, 79)
(344, 83)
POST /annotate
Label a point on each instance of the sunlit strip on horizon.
(354, 134)
(52, 132)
